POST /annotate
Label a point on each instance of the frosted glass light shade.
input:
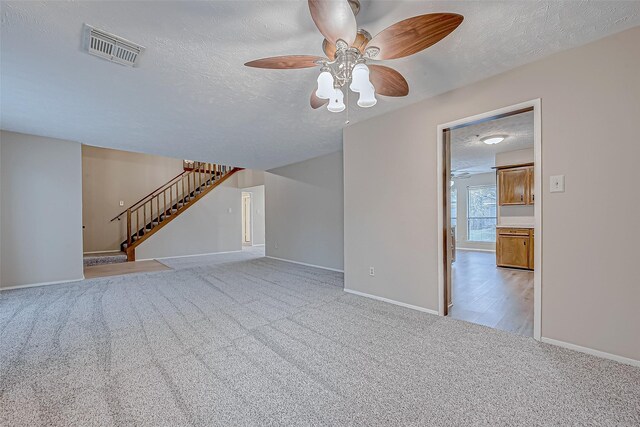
(359, 78)
(325, 85)
(492, 140)
(367, 97)
(336, 103)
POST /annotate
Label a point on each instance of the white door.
(246, 219)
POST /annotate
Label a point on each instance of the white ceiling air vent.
(111, 47)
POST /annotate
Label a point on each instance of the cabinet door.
(513, 251)
(513, 186)
(531, 197)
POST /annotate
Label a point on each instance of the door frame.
(534, 104)
(250, 213)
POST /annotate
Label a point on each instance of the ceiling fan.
(350, 49)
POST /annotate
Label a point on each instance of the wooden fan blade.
(361, 42)
(334, 19)
(317, 102)
(387, 81)
(329, 49)
(286, 62)
(412, 35)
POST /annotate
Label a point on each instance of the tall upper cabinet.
(515, 185)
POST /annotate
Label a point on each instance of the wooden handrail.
(148, 195)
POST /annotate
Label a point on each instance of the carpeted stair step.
(104, 258)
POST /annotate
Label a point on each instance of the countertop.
(515, 226)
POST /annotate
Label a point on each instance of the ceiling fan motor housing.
(342, 66)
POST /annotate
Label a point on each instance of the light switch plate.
(557, 184)
(121, 202)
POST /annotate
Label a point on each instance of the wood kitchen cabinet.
(515, 185)
(514, 248)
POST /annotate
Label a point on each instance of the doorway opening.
(253, 218)
(247, 220)
(490, 219)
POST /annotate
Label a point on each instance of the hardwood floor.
(500, 298)
(123, 268)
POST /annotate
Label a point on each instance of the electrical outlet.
(275, 246)
(557, 184)
(372, 271)
(121, 202)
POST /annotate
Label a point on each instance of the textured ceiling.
(469, 154)
(192, 97)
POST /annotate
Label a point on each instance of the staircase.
(148, 215)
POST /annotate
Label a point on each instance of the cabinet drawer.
(513, 231)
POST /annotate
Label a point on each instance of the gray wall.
(304, 212)
(110, 176)
(41, 219)
(250, 178)
(213, 224)
(590, 105)
(461, 231)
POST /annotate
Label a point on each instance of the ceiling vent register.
(111, 47)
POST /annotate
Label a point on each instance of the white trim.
(537, 144)
(187, 256)
(475, 249)
(32, 285)
(537, 212)
(305, 264)
(250, 217)
(102, 252)
(390, 301)
(591, 351)
(259, 244)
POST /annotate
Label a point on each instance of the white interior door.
(246, 219)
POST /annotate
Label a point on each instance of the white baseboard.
(591, 351)
(259, 244)
(476, 250)
(33, 285)
(390, 301)
(305, 264)
(102, 252)
(188, 256)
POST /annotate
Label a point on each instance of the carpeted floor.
(242, 340)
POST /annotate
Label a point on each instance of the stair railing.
(150, 211)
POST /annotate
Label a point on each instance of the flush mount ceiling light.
(349, 51)
(493, 139)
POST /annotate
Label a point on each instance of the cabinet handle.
(521, 197)
(525, 243)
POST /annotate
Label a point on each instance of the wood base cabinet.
(514, 248)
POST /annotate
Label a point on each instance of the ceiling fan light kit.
(349, 49)
(325, 84)
(336, 103)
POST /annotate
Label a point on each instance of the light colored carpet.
(254, 341)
